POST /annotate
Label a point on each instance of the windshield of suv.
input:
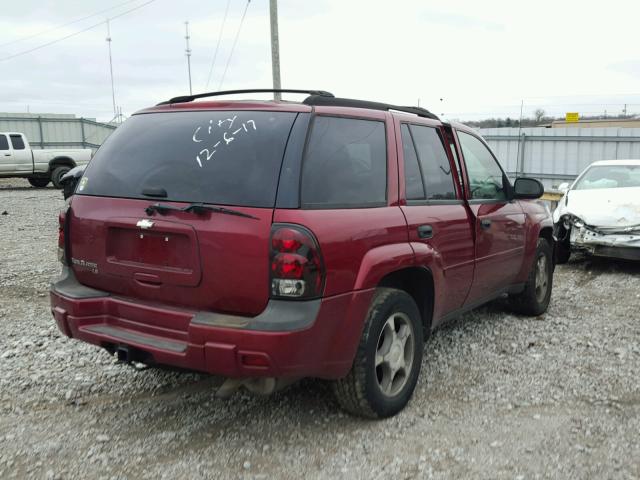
(219, 157)
(610, 176)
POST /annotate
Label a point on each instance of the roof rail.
(190, 98)
(321, 100)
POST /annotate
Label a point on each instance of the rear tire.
(534, 299)
(57, 175)
(38, 182)
(387, 363)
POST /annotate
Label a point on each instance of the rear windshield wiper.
(197, 208)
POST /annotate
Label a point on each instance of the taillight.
(61, 239)
(296, 265)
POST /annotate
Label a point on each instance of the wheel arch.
(60, 162)
(546, 232)
(418, 283)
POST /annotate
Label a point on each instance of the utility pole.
(519, 165)
(113, 91)
(275, 48)
(188, 53)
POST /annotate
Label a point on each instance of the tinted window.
(412, 174)
(450, 141)
(229, 158)
(4, 144)
(436, 169)
(345, 164)
(17, 142)
(486, 180)
(610, 176)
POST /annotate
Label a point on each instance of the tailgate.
(208, 261)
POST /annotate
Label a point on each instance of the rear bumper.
(315, 338)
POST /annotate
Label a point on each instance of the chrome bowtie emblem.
(144, 224)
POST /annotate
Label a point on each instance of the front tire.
(57, 175)
(38, 182)
(534, 299)
(387, 364)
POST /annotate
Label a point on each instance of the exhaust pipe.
(123, 354)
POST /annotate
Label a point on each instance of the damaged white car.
(600, 212)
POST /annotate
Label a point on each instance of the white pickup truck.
(40, 167)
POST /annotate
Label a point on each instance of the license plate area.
(167, 250)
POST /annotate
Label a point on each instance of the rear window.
(345, 164)
(219, 157)
(4, 144)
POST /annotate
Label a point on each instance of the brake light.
(61, 240)
(296, 265)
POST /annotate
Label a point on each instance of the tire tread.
(350, 391)
(526, 302)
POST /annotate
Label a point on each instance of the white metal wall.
(57, 131)
(554, 155)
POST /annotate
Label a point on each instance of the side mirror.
(563, 187)
(527, 188)
(70, 180)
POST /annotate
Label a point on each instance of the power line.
(42, 32)
(235, 41)
(75, 33)
(215, 54)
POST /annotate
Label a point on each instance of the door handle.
(7, 154)
(485, 223)
(425, 231)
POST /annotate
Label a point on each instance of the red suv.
(268, 241)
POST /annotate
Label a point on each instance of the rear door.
(499, 222)
(129, 236)
(435, 212)
(6, 154)
(21, 155)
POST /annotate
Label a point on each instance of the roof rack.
(321, 100)
(315, 98)
(190, 98)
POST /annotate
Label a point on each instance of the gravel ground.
(500, 396)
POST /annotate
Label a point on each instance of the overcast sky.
(480, 57)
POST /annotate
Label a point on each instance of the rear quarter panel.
(41, 158)
(358, 245)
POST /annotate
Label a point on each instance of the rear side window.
(412, 173)
(345, 164)
(434, 163)
(219, 157)
(17, 142)
(4, 144)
